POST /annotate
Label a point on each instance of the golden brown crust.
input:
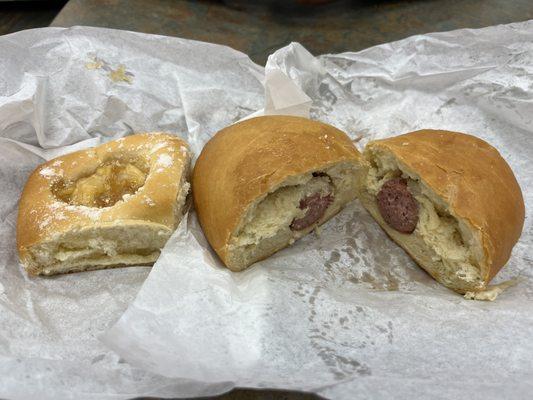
(42, 215)
(244, 161)
(473, 179)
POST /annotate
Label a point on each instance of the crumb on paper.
(120, 75)
(492, 291)
(94, 64)
(318, 231)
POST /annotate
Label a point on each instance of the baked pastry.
(263, 183)
(108, 206)
(449, 199)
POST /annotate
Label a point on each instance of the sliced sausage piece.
(397, 205)
(316, 205)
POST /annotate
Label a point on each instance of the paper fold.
(346, 315)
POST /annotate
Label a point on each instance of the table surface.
(16, 15)
(258, 28)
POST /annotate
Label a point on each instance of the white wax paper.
(347, 314)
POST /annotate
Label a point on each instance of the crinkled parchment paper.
(345, 314)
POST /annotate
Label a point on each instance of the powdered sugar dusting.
(60, 216)
(157, 147)
(149, 201)
(55, 205)
(164, 160)
(56, 212)
(90, 212)
(45, 222)
(48, 172)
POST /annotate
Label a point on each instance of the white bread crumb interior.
(265, 227)
(443, 244)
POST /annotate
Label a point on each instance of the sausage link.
(316, 205)
(397, 205)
